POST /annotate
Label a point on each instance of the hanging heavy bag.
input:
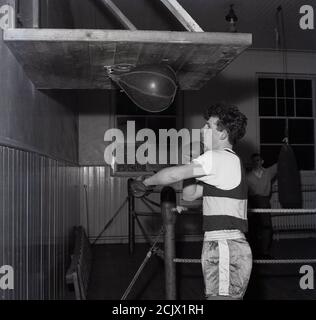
(289, 180)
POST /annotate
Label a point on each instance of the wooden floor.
(113, 269)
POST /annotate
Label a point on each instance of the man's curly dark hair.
(229, 119)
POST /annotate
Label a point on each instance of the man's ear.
(223, 135)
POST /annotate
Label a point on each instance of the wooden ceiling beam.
(36, 13)
(143, 36)
(118, 14)
(182, 15)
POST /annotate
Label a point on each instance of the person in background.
(259, 181)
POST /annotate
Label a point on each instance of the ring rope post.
(131, 218)
(168, 205)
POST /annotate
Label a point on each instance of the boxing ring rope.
(169, 212)
(282, 211)
(154, 213)
(258, 261)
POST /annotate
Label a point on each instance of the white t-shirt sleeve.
(206, 161)
(221, 169)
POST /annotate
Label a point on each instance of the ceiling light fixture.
(232, 19)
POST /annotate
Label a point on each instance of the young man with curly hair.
(218, 177)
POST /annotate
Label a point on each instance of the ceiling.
(255, 16)
(74, 58)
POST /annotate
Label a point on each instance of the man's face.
(257, 162)
(210, 136)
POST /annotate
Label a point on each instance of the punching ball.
(289, 182)
(150, 87)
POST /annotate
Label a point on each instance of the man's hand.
(192, 190)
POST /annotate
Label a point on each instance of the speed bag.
(150, 87)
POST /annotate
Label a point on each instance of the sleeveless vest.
(226, 209)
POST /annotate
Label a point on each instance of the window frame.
(310, 77)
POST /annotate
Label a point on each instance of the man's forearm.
(274, 170)
(165, 176)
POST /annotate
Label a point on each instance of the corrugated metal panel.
(105, 195)
(39, 205)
